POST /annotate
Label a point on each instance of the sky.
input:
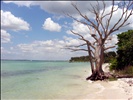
(40, 30)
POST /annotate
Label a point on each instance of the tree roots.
(102, 76)
(99, 76)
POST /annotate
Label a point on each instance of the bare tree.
(100, 31)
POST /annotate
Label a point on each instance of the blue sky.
(40, 29)
(35, 17)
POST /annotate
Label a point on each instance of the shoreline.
(74, 87)
(121, 89)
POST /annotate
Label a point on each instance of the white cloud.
(51, 25)
(25, 47)
(49, 50)
(69, 41)
(10, 22)
(36, 49)
(5, 37)
(4, 51)
(116, 16)
(50, 45)
(112, 41)
(58, 17)
(61, 7)
(84, 30)
(21, 3)
(80, 29)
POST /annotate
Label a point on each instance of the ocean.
(43, 79)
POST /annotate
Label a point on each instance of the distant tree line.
(108, 56)
(79, 59)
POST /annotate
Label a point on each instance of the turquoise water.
(43, 79)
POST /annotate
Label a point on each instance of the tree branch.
(75, 49)
(111, 14)
(79, 45)
(87, 19)
(108, 48)
(116, 27)
(82, 38)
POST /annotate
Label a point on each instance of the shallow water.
(43, 79)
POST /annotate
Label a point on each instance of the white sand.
(122, 89)
(114, 90)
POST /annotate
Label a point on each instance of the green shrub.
(128, 70)
(112, 79)
(113, 65)
(125, 50)
(124, 56)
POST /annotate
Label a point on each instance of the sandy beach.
(121, 89)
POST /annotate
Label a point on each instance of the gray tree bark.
(100, 32)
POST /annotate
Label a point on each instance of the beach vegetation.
(125, 50)
(124, 56)
(127, 71)
(112, 78)
(101, 30)
(123, 63)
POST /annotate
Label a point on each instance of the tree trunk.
(98, 73)
(90, 58)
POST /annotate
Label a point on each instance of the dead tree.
(100, 30)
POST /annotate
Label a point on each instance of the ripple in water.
(24, 72)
